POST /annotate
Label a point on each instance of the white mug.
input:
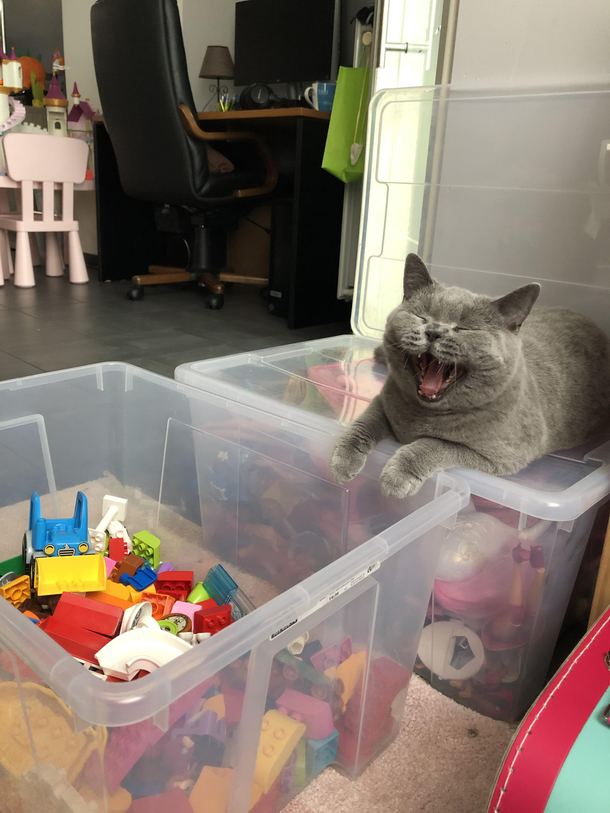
(320, 96)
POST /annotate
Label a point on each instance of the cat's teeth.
(433, 397)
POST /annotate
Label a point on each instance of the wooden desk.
(307, 207)
(274, 113)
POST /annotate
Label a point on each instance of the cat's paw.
(398, 481)
(346, 462)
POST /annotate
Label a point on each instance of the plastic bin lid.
(321, 383)
(493, 189)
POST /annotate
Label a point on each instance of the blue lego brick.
(141, 580)
(321, 753)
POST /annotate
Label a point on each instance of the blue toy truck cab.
(55, 537)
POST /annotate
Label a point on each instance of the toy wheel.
(214, 301)
(27, 565)
(135, 293)
(319, 691)
(290, 672)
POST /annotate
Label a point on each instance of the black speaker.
(280, 260)
(260, 97)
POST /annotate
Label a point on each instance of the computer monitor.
(286, 41)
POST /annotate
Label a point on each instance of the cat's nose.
(433, 333)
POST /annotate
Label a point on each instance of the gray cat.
(475, 383)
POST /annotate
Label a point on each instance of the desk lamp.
(217, 64)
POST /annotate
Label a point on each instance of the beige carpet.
(444, 760)
(445, 757)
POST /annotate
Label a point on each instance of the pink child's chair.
(44, 161)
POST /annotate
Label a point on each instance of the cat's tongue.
(433, 378)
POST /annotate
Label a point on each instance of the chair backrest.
(45, 158)
(142, 77)
(48, 160)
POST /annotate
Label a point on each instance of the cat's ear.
(515, 307)
(416, 275)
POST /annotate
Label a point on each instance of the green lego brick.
(14, 565)
(299, 777)
(198, 593)
(148, 547)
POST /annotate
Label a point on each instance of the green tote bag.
(347, 128)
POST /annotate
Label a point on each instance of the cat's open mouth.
(435, 377)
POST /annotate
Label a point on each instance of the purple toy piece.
(110, 563)
(203, 724)
(287, 772)
(316, 714)
(333, 655)
(164, 567)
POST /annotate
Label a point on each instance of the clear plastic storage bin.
(317, 674)
(494, 190)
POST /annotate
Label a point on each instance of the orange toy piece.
(117, 594)
(16, 591)
(50, 725)
(350, 672)
(29, 64)
(161, 604)
(213, 788)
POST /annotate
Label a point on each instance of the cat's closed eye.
(422, 318)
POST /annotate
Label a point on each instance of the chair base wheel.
(135, 293)
(214, 301)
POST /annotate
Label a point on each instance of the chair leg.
(78, 269)
(24, 270)
(54, 263)
(34, 249)
(67, 248)
(6, 265)
(6, 257)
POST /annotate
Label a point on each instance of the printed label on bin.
(331, 597)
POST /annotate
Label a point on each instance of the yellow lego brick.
(350, 672)
(76, 574)
(215, 703)
(50, 726)
(279, 737)
(213, 788)
(16, 591)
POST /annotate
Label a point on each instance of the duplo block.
(148, 546)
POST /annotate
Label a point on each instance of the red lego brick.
(207, 604)
(176, 583)
(117, 548)
(386, 679)
(79, 642)
(88, 614)
(213, 620)
(161, 603)
(175, 800)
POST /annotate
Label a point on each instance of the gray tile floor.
(57, 325)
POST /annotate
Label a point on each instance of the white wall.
(206, 22)
(532, 42)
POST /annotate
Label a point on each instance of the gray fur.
(534, 384)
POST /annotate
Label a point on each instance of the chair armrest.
(194, 131)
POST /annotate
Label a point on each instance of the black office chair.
(151, 119)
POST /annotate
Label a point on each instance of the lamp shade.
(217, 63)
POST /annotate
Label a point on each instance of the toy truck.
(55, 537)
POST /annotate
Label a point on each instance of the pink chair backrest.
(45, 158)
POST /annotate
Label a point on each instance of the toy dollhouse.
(56, 105)
(80, 118)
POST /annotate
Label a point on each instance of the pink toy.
(315, 714)
(333, 655)
(126, 744)
(110, 563)
(51, 162)
(234, 704)
(186, 608)
(348, 387)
